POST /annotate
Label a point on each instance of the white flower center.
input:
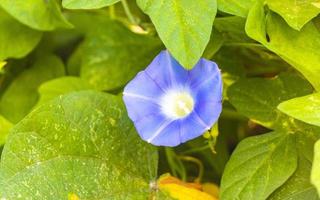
(177, 104)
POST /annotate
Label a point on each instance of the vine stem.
(128, 12)
(197, 162)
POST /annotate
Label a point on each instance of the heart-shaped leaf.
(183, 26)
(81, 144)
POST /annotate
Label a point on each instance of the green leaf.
(163, 195)
(232, 29)
(216, 162)
(85, 4)
(293, 46)
(112, 55)
(315, 173)
(229, 62)
(85, 21)
(16, 39)
(258, 98)
(235, 7)
(258, 166)
(60, 86)
(296, 12)
(298, 186)
(74, 62)
(304, 108)
(183, 26)
(21, 95)
(38, 14)
(231, 66)
(215, 43)
(5, 127)
(81, 143)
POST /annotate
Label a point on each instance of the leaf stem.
(112, 12)
(128, 12)
(243, 44)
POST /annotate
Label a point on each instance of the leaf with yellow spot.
(2, 64)
(73, 196)
(92, 159)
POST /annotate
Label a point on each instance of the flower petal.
(211, 91)
(192, 126)
(170, 136)
(139, 107)
(208, 111)
(206, 77)
(166, 71)
(140, 96)
(143, 85)
(155, 129)
(206, 84)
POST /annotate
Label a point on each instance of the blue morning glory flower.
(170, 105)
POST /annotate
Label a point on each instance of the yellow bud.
(214, 131)
(206, 135)
(181, 190)
(211, 189)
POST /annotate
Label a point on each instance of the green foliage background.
(64, 129)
